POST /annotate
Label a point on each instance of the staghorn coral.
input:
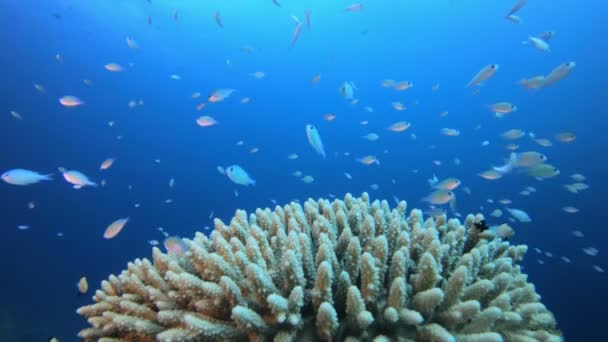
(328, 271)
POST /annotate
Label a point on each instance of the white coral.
(345, 270)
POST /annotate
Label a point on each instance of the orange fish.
(107, 164)
(115, 227)
(70, 101)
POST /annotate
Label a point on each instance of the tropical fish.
(347, 90)
(539, 44)
(516, 7)
(113, 67)
(24, 177)
(308, 179)
(206, 121)
(368, 160)
(70, 101)
(371, 137)
(450, 132)
(220, 95)
(559, 73)
(76, 178)
(519, 215)
(83, 286)
(447, 184)
(292, 156)
(399, 126)
(239, 176)
(218, 19)
(502, 108)
(521, 160)
(535, 82)
(513, 134)
(296, 34)
(175, 245)
(543, 171)
(483, 75)
(115, 227)
(491, 175)
(403, 85)
(106, 164)
(439, 197)
(314, 139)
(565, 137)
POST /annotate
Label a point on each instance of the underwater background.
(443, 42)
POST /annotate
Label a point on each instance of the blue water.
(426, 42)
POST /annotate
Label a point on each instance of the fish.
(546, 35)
(76, 178)
(531, 83)
(450, 132)
(496, 213)
(218, 19)
(40, 88)
(491, 174)
(307, 179)
(276, 3)
(114, 67)
(220, 95)
(348, 175)
(70, 101)
(239, 176)
(519, 215)
(565, 137)
(171, 182)
(516, 7)
(514, 18)
(513, 134)
(576, 187)
(539, 44)
(543, 142)
(447, 184)
(398, 106)
(314, 139)
(354, 8)
(296, 34)
(439, 197)
(24, 177)
(293, 156)
(347, 90)
(115, 228)
(403, 85)
(307, 17)
(221, 170)
(559, 73)
(371, 137)
(16, 115)
(206, 121)
(175, 245)
(316, 78)
(521, 160)
(106, 164)
(399, 126)
(329, 117)
(543, 171)
(578, 177)
(368, 160)
(83, 286)
(131, 43)
(483, 75)
(502, 108)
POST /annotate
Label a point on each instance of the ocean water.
(443, 42)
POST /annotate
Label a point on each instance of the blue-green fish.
(239, 176)
(315, 139)
(24, 177)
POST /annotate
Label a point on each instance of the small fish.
(314, 139)
(40, 88)
(543, 142)
(307, 17)
(131, 43)
(513, 134)
(316, 79)
(308, 179)
(221, 170)
(276, 3)
(539, 44)
(106, 164)
(354, 8)
(258, 75)
(171, 182)
(514, 19)
(570, 210)
(565, 137)
(491, 175)
(254, 150)
(220, 95)
(70, 101)
(398, 106)
(399, 126)
(31, 205)
(329, 117)
(519, 215)
(239, 176)
(245, 100)
(175, 15)
(153, 242)
(535, 82)
(368, 160)
(24, 177)
(218, 19)
(592, 251)
(450, 132)
(114, 67)
(23, 227)
(403, 85)
(483, 75)
(447, 184)
(296, 34)
(293, 156)
(485, 143)
(347, 90)
(517, 7)
(371, 137)
(206, 121)
(439, 197)
(543, 171)
(297, 174)
(175, 77)
(59, 58)
(347, 175)
(83, 286)
(16, 115)
(175, 245)
(502, 108)
(547, 35)
(559, 73)
(496, 213)
(578, 177)
(76, 178)
(435, 87)
(115, 227)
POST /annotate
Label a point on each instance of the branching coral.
(327, 271)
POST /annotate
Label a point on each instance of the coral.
(350, 269)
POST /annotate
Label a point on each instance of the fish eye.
(493, 66)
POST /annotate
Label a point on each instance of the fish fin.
(48, 176)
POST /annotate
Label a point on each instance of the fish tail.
(252, 182)
(47, 177)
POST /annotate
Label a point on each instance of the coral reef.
(341, 270)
